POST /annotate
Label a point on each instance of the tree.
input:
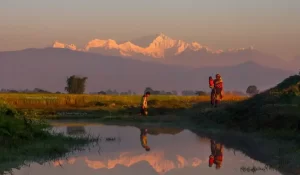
(174, 92)
(188, 93)
(75, 84)
(155, 92)
(238, 93)
(102, 93)
(111, 92)
(129, 92)
(152, 91)
(115, 92)
(38, 90)
(149, 89)
(201, 93)
(252, 90)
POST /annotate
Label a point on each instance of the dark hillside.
(277, 108)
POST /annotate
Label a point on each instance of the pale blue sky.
(272, 26)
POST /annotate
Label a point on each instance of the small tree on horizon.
(174, 92)
(75, 84)
(38, 90)
(252, 90)
(148, 89)
(201, 93)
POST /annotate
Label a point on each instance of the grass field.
(84, 101)
(106, 107)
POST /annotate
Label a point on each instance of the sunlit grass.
(69, 100)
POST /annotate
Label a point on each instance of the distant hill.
(295, 63)
(242, 75)
(48, 69)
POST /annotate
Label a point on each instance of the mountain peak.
(250, 64)
(107, 44)
(161, 34)
(57, 44)
(156, 46)
(162, 37)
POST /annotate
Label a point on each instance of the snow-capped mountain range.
(156, 49)
(164, 49)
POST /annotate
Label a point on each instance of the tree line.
(76, 85)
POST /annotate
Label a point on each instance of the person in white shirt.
(144, 105)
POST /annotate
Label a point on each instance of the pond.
(149, 151)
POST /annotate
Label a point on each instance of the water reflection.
(173, 151)
(75, 130)
(157, 131)
(144, 139)
(216, 156)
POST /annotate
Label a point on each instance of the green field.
(20, 100)
(61, 106)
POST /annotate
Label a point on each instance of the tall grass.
(69, 100)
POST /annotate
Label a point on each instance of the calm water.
(172, 152)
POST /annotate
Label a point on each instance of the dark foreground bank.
(25, 139)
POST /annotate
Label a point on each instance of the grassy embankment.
(277, 109)
(104, 107)
(26, 139)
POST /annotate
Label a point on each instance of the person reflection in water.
(216, 156)
(144, 140)
(213, 150)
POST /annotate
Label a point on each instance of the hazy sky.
(272, 26)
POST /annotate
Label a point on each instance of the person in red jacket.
(211, 160)
(211, 86)
(211, 82)
(218, 86)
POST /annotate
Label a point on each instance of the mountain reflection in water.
(155, 159)
(146, 150)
